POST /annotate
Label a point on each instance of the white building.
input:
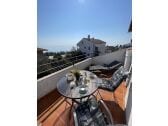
(40, 55)
(91, 46)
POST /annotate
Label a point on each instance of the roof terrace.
(52, 108)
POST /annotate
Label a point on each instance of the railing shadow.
(64, 119)
(118, 115)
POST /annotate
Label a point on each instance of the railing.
(61, 60)
(118, 55)
(48, 83)
(56, 65)
(53, 66)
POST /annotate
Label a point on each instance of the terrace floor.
(57, 114)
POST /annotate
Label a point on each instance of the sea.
(59, 48)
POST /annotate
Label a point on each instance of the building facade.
(40, 55)
(91, 46)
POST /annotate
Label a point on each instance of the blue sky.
(63, 23)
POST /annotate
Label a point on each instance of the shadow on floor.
(65, 119)
(117, 112)
(46, 101)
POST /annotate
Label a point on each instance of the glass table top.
(86, 86)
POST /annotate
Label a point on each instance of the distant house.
(110, 49)
(40, 51)
(51, 57)
(40, 55)
(91, 46)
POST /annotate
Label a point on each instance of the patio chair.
(92, 113)
(128, 65)
(113, 65)
(119, 75)
(128, 75)
(97, 67)
(115, 80)
(106, 67)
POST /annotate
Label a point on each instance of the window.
(88, 48)
(96, 48)
(85, 47)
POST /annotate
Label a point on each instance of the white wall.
(128, 104)
(130, 119)
(128, 97)
(101, 48)
(85, 43)
(110, 57)
(48, 83)
(128, 59)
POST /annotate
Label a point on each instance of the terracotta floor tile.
(60, 117)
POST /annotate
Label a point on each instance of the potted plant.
(76, 73)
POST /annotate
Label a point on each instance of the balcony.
(52, 109)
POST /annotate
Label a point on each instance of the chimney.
(89, 37)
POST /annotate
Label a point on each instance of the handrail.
(58, 65)
(66, 59)
(53, 68)
(61, 60)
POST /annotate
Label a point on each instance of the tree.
(73, 49)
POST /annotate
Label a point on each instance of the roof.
(95, 41)
(41, 49)
(51, 57)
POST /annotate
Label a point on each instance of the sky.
(61, 24)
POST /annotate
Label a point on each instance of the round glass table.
(85, 87)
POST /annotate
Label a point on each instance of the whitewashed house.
(40, 55)
(91, 46)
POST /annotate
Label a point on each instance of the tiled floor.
(49, 99)
(46, 101)
(58, 115)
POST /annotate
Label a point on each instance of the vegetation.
(58, 61)
(117, 47)
(76, 73)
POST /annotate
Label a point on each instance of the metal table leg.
(101, 98)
